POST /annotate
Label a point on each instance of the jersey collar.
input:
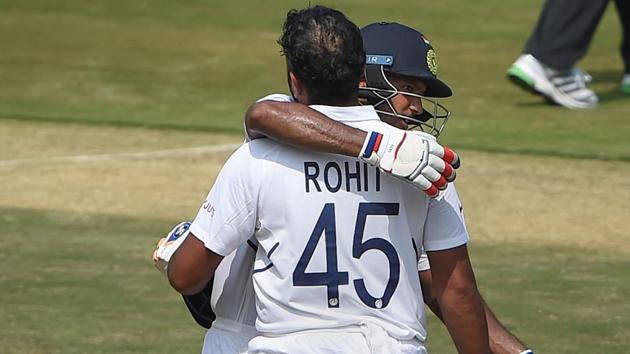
(348, 114)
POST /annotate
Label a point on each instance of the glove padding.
(413, 156)
(166, 246)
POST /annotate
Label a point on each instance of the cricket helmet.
(396, 48)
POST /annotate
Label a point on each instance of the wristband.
(369, 151)
(527, 351)
(171, 243)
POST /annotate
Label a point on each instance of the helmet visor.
(432, 120)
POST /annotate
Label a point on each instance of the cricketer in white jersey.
(233, 296)
(336, 238)
(233, 303)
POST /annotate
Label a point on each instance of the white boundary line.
(147, 155)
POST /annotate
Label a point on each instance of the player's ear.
(362, 84)
(297, 88)
(294, 84)
(363, 80)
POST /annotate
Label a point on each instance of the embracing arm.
(299, 125)
(414, 157)
(192, 266)
(460, 303)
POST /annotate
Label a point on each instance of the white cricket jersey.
(442, 212)
(336, 237)
(233, 303)
(232, 298)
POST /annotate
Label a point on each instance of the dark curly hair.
(325, 51)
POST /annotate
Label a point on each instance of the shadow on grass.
(606, 76)
(609, 77)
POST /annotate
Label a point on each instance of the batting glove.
(413, 156)
(166, 246)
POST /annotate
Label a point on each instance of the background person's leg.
(564, 31)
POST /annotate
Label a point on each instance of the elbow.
(255, 116)
(462, 293)
(191, 266)
(181, 282)
(462, 284)
(461, 287)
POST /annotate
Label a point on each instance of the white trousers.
(227, 337)
(364, 339)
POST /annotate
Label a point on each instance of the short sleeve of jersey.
(445, 225)
(423, 262)
(277, 97)
(227, 217)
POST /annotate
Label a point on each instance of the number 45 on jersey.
(333, 278)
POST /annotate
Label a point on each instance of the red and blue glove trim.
(374, 143)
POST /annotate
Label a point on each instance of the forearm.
(464, 317)
(501, 340)
(460, 303)
(301, 126)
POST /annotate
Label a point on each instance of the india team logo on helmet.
(432, 61)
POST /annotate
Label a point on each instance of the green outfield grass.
(557, 299)
(197, 65)
(550, 242)
(77, 284)
(84, 284)
(549, 247)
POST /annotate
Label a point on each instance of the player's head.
(324, 54)
(401, 78)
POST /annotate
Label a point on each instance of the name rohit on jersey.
(333, 176)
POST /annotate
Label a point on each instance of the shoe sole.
(541, 86)
(522, 80)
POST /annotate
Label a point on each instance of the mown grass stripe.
(513, 150)
(197, 150)
(120, 123)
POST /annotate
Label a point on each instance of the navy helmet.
(396, 48)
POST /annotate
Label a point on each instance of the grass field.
(116, 116)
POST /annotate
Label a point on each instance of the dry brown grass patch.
(507, 198)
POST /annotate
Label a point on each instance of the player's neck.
(346, 102)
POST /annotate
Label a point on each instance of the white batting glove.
(166, 246)
(413, 156)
